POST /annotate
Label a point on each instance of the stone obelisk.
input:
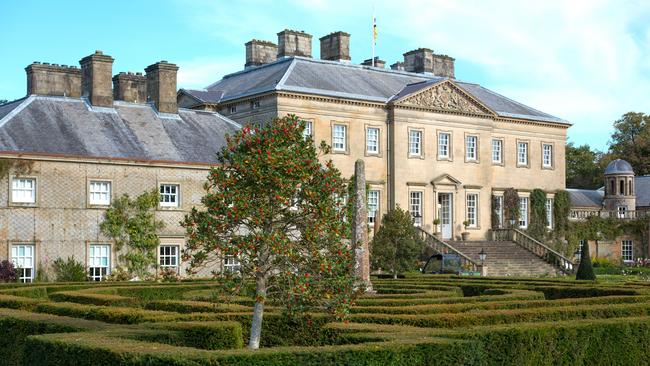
(360, 228)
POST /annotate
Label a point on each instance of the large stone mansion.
(432, 144)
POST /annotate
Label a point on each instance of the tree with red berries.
(272, 205)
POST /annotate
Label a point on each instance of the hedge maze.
(422, 320)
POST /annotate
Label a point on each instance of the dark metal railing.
(443, 248)
(562, 263)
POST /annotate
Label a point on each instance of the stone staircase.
(506, 258)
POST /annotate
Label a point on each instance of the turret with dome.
(619, 187)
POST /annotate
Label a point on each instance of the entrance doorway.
(445, 214)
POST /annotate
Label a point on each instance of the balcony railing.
(565, 265)
(583, 214)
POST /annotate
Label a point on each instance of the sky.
(586, 61)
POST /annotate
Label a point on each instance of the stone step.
(505, 258)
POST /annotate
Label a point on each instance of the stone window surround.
(503, 155)
(112, 185)
(36, 191)
(346, 150)
(525, 194)
(500, 214)
(312, 122)
(450, 146)
(552, 166)
(178, 254)
(413, 188)
(519, 165)
(477, 150)
(629, 242)
(365, 147)
(179, 196)
(408, 143)
(378, 210)
(477, 192)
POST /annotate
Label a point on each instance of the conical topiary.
(585, 269)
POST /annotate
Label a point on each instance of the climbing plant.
(538, 219)
(495, 213)
(511, 207)
(561, 208)
(18, 166)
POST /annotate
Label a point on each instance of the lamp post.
(481, 256)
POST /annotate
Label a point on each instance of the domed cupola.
(619, 187)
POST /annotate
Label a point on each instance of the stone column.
(360, 228)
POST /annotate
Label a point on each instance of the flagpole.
(374, 34)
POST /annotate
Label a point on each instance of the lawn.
(418, 320)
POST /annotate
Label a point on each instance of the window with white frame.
(627, 253)
(22, 256)
(169, 195)
(168, 256)
(23, 190)
(338, 137)
(522, 153)
(99, 261)
(415, 207)
(547, 155)
(308, 131)
(471, 145)
(372, 140)
(233, 109)
(373, 205)
(415, 143)
(255, 104)
(99, 193)
(497, 151)
(549, 213)
(622, 211)
(231, 264)
(443, 145)
(523, 212)
(472, 209)
(498, 208)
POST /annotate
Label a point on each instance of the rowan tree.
(274, 206)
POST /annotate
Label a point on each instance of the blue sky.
(585, 61)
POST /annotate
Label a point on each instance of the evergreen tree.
(397, 245)
(585, 269)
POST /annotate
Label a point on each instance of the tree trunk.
(258, 313)
(395, 275)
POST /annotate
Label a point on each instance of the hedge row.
(203, 335)
(181, 306)
(597, 342)
(92, 298)
(108, 314)
(412, 300)
(490, 317)
(496, 305)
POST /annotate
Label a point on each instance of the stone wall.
(61, 223)
(53, 79)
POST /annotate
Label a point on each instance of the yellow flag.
(374, 29)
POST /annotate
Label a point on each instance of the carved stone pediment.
(446, 180)
(445, 96)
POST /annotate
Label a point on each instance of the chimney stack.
(130, 87)
(161, 86)
(46, 79)
(96, 73)
(294, 43)
(335, 46)
(443, 65)
(420, 61)
(260, 52)
(397, 66)
(378, 63)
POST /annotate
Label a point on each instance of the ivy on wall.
(511, 207)
(598, 228)
(561, 208)
(537, 227)
(18, 166)
(495, 215)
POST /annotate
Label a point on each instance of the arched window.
(621, 187)
(631, 191)
(612, 190)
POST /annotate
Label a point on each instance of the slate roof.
(642, 190)
(586, 197)
(346, 80)
(619, 166)
(71, 127)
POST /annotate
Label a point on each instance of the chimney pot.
(161, 86)
(96, 73)
(293, 43)
(335, 46)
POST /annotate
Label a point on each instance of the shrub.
(119, 274)
(69, 270)
(585, 270)
(396, 245)
(206, 335)
(7, 272)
